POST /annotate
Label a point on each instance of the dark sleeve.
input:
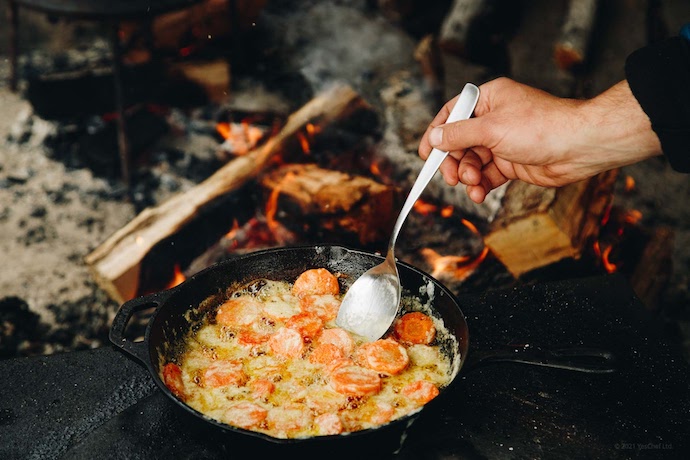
(659, 77)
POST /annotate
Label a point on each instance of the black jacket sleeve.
(659, 77)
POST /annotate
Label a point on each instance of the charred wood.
(326, 202)
(117, 263)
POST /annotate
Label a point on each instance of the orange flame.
(424, 208)
(454, 267)
(470, 225)
(447, 211)
(178, 277)
(633, 217)
(304, 142)
(374, 168)
(629, 184)
(272, 206)
(241, 137)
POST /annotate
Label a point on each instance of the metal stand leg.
(13, 18)
(122, 140)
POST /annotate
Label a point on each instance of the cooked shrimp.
(287, 419)
(355, 381)
(308, 326)
(386, 356)
(328, 424)
(421, 391)
(340, 362)
(262, 388)
(224, 373)
(325, 353)
(238, 312)
(245, 414)
(317, 281)
(324, 306)
(415, 328)
(287, 343)
(338, 337)
(383, 414)
(172, 377)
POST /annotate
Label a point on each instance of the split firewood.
(537, 226)
(358, 209)
(570, 50)
(117, 263)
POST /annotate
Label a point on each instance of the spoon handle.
(462, 110)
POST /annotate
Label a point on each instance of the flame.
(272, 206)
(629, 184)
(447, 211)
(178, 277)
(424, 208)
(304, 142)
(240, 138)
(632, 217)
(455, 267)
(470, 225)
(375, 169)
(605, 256)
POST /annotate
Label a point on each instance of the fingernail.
(435, 137)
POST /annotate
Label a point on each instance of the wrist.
(617, 131)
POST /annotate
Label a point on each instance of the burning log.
(117, 263)
(538, 226)
(570, 50)
(322, 200)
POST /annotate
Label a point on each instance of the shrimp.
(289, 419)
(338, 337)
(245, 414)
(415, 328)
(325, 353)
(420, 392)
(328, 424)
(355, 381)
(224, 373)
(317, 281)
(238, 312)
(308, 326)
(287, 343)
(262, 388)
(386, 356)
(324, 306)
(172, 377)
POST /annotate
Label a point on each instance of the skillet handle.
(579, 359)
(117, 331)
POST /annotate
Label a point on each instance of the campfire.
(301, 157)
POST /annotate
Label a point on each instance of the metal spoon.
(371, 304)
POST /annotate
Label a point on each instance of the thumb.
(459, 135)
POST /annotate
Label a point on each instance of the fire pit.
(263, 162)
(99, 404)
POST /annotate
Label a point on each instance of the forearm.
(617, 132)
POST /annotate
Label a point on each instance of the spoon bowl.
(371, 304)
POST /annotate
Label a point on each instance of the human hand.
(520, 132)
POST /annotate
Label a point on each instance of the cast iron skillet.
(171, 320)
